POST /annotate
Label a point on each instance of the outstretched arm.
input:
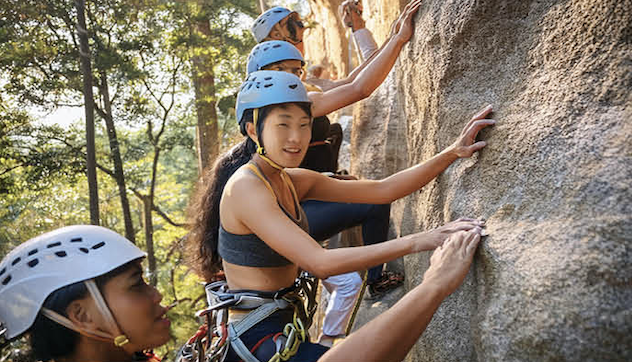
(373, 73)
(315, 186)
(356, 18)
(245, 200)
(390, 336)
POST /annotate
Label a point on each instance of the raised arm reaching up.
(372, 73)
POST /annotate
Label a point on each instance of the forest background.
(159, 105)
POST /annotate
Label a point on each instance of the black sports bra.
(249, 249)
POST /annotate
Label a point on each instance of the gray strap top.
(249, 249)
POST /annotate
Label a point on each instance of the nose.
(156, 297)
(295, 135)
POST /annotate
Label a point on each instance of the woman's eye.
(304, 125)
(139, 283)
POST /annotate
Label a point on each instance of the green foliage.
(144, 51)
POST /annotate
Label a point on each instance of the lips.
(163, 313)
(292, 150)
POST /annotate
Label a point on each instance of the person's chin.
(162, 330)
(292, 160)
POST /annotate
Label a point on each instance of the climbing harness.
(221, 331)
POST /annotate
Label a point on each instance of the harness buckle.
(212, 308)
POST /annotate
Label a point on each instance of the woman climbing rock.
(248, 222)
(329, 218)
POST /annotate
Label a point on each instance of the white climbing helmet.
(38, 267)
(266, 21)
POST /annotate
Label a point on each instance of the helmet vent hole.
(84, 250)
(33, 263)
(276, 46)
(61, 254)
(266, 49)
(3, 271)
(249, 86)
(33, 252)
(267, 85)
(96, 246)
(76, 240)
(16, 260)
(267, 78)
(293, 86)
(52, 245)
(278, 11)
(6, 280)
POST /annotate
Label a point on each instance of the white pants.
(343, 290)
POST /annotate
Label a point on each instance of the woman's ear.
(251, 132)
(82, 312)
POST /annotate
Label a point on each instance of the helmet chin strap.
(115, 336)
(260, 151)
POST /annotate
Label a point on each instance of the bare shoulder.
(244, 185)
(244, 195)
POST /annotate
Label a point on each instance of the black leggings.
(326, 219)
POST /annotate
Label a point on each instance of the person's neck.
(269, 170)
(89, 350)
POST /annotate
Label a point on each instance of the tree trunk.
(116, 158)
(262, 6)
(149, 206)
(149, 239)
(205, 100)
(86, 69)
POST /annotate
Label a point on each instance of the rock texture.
(326, 42)
(553, 281)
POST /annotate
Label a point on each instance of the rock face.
(553, 281)
(326, 43)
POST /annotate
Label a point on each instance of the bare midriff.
(263, 279)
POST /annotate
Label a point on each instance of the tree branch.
(157, 209)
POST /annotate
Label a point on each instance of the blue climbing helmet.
(270, 52)
(266, 87)
(264, 23)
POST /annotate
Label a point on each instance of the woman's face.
(290, 66)
(136, 308)
(286, 134)
(289, 29)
